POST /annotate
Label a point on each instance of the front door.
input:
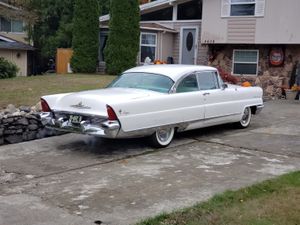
(188, 46)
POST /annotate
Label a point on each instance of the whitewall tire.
(246, 118)
(162, 137)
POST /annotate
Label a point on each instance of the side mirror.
(224, 86)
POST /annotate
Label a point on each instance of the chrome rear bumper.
(259, 108)
(106, 128)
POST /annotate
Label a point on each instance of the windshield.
(146, 81)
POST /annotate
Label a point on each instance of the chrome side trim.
(223, 116)
(82, 114)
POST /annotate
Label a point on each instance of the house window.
(15, 26)
(245, 62)
(162, 14)
(242, 8)
(148, 46)
(190, 10)
(5, 25)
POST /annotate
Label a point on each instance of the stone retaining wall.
(21, 124)
(271, 79)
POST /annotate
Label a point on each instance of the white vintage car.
(154, 101)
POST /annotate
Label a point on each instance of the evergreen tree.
(104, 4)
(85, 36)
(124, 34)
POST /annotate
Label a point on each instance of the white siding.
(17, 57)
(201, 51)
(276, 22)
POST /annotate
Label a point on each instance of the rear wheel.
(246, 119)
(162, 137)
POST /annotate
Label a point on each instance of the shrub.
(7, 69)
(124, 34)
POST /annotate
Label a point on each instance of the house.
(13, 40)
(170, 31)
(256, 39)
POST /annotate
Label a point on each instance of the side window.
(208, 80)
(188, 84)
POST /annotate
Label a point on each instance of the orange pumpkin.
(246, 84)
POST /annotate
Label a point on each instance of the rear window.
(146, 81)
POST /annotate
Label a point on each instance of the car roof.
(174, 71)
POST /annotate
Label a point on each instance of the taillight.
(111, 113)
(45, 106)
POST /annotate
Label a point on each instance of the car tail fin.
(45, 106)
(111, 113)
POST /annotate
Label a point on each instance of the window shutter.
(260, 8)
(225, 10)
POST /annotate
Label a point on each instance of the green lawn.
(273, 202)
(27, 90)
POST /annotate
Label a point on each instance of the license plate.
(75, 119)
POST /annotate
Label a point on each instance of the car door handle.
(206, 93)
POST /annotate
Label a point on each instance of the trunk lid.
(94, 102)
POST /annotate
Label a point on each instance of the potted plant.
(291, 93)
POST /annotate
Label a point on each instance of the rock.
(25, 109)
(220, 56)
(41, 133)
(31, 135)
(7, 120)
(269, 90)
(38, 107)
(31, 117)
(33, 121)
(33, 127)
(10, 109)
(1, 140)
(1, 132)
(9, 131)
(258, 82)
(289, 67)
(22, 121)
(12, 139)
(266, 73)
(19, 131)
(16, 113)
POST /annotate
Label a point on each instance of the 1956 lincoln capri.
(154, 101)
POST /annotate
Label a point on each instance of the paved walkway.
(74, 179)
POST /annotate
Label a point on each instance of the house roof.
(148, 6)
(156, 27)
(148, 26)
(11, 44)
(8, 6)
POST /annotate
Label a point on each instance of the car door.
(191, 101)
(219, 104)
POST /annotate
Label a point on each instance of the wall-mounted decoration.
(276, 56)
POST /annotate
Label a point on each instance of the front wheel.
(162, 137)
(246, 118)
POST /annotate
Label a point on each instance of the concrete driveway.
(75, 179)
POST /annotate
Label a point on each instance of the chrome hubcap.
(246, 116)
(164, 135)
